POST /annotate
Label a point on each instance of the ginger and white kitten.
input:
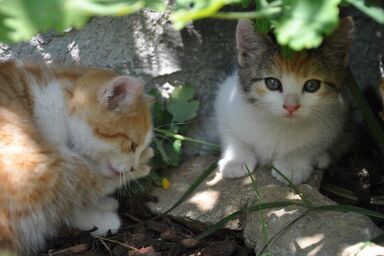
(68, 138)
(284, 112)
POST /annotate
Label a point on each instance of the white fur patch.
(50, 111)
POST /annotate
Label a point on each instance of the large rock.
(215, 198)
(315, 233)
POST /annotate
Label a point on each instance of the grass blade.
(373, 124)
(349, 208)
(263, 206)
(188, 139)
(283, 230)
(261, 215)
(295, 188)
(192, 188)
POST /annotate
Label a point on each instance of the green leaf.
(305, 22)
(21, 19)
(181, 104)
(375, 12)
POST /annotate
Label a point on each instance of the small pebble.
(169, 235)
(190, 243)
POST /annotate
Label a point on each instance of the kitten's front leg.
(298, 169)
(237, 158)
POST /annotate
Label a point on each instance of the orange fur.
(36, 178)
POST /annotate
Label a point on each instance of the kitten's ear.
(121, 92)
(250, 43)
(337, 45)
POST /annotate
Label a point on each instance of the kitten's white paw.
(86, 219)
(110, 222)
(297, 174)
(235, 169)
(107, 204)
(322, 161)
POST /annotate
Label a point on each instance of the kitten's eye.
(273, 84)
(312, 85)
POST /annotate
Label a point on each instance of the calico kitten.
(68, 138)
(285, 112)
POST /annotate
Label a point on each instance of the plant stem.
(183, 138)
(247, 15)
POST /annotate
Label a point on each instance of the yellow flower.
(165, 183)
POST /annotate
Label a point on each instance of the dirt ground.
(162, 236)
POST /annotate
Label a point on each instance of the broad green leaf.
(305, 22)
(21, 19)
(181, 104)
(25, 18)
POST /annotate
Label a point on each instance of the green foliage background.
(298, 24)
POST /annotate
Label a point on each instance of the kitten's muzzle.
(117, 172)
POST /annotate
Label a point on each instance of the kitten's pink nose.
(291, 108)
